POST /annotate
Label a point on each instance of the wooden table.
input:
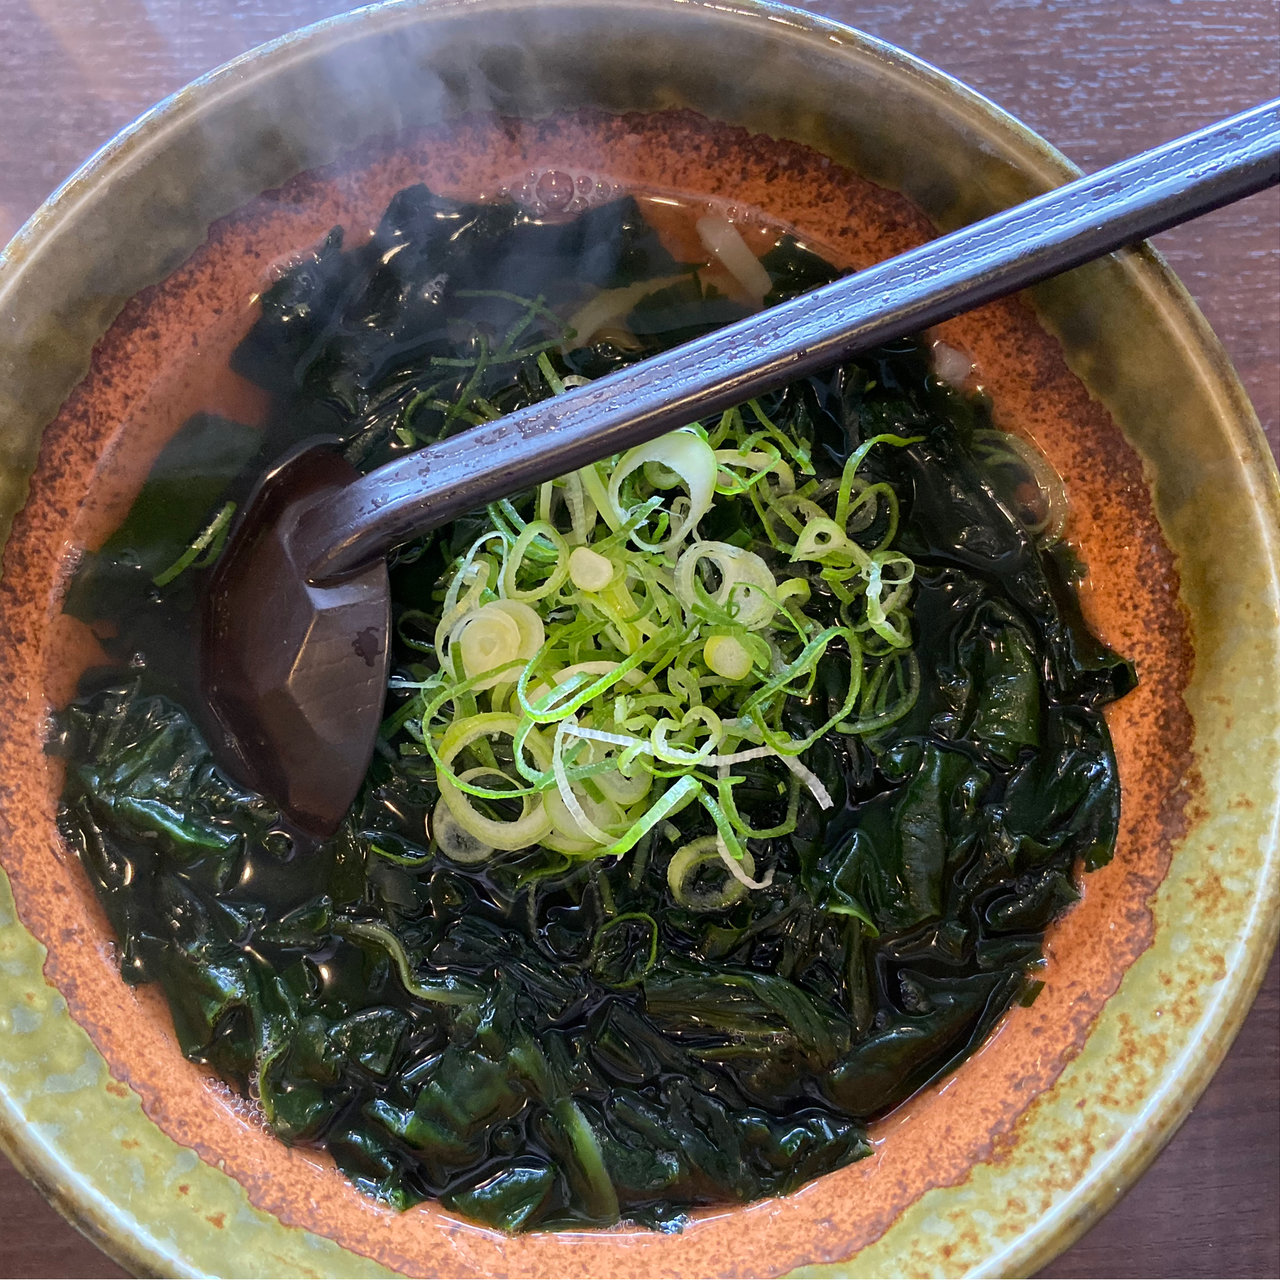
(1099, 79)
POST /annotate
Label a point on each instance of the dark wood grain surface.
(1100, 79)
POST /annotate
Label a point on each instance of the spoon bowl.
(297, 686)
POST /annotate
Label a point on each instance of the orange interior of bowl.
(96, 455)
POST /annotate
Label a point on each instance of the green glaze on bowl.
(83, 1139)
(146, 1184)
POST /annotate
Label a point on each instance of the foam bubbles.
(559, 191)
(247, 1110)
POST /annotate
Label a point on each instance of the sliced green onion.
(455, 841)
(533, 823)
(746, 590)
(488, 639)
(690, 458)
(652, 950)
(728, 657)
(692, 859)
(590, 570)
(447, 990)
(204, 549)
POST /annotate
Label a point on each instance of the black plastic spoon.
(298, 614)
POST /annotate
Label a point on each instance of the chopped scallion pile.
(604, 664)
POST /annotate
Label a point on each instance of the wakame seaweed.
(538, 1041)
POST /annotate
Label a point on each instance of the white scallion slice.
(455, 842)
(688, 456)
(742, 870)
(609, 306)
(579, 824)
(533, 822)
(725, 242)
(690, 861)
(488, 638)
(589, 570)
(810, 780)
(727, 656)
(747, 589)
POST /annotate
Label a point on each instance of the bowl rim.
(64, 1183)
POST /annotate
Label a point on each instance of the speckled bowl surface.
(1114, 374)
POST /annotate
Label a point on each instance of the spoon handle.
(957, 272)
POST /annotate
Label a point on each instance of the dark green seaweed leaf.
(181, 492)
(914, 1046)
(890, 868)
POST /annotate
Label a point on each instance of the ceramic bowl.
(1111, 369)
